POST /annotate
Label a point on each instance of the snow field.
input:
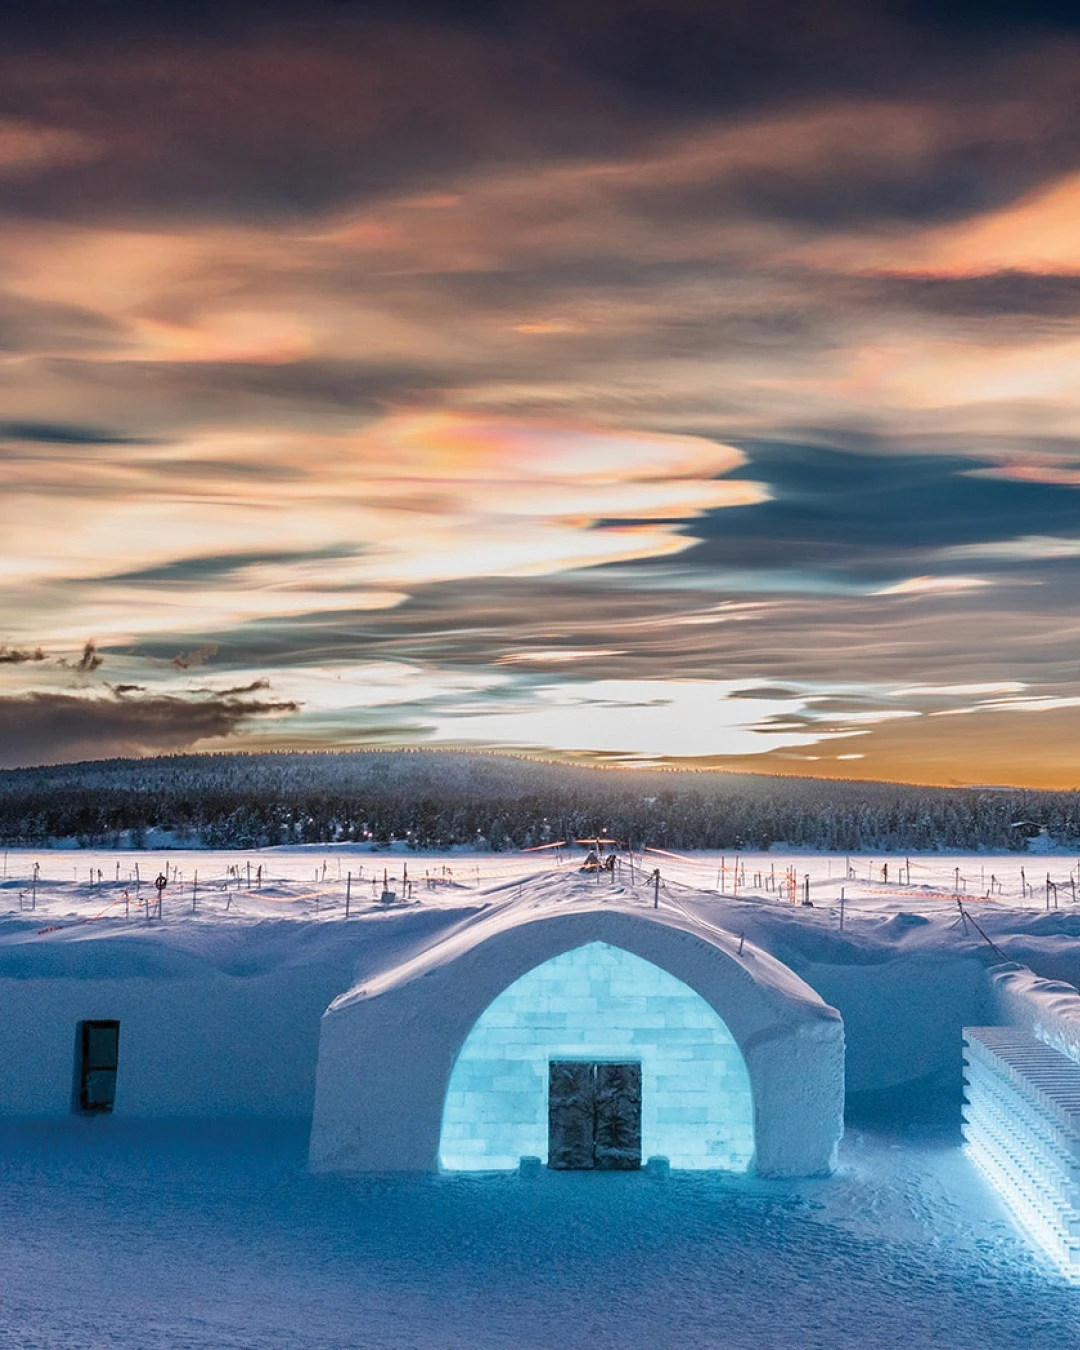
(217, 1239)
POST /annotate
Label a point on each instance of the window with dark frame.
(99, 1045)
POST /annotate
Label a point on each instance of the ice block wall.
(599, 1002)
(1022, 1128)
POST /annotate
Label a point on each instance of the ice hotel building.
(588, 1037)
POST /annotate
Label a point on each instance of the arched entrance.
(389, 1046)
(598, 1039)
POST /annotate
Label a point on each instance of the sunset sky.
(646, 382)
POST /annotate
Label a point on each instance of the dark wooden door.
(617, 1140)
(571, 1114)
(594, 1116)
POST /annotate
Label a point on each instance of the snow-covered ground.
(133, 1233)
(169, 1237)
(311, 880)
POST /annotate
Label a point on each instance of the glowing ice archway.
(388, 1045)
(599, 1002)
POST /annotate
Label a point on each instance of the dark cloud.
(766, 691)
(90, 660)
(869, 517)
(17, 656)
(284, 120)
(46, 433)
(45, 728)
(355, 387)
(285, 111)
(237, 691)
(1006, 294)
(183, 571)
(656, 630)
(198, 657)
(31, 326)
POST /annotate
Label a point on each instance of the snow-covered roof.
(564, 915)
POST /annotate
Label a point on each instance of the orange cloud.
(932, 585)
(364, 515)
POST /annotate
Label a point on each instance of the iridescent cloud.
(647, 387)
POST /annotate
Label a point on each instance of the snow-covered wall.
(216, 1020)
(1049, 1010)
(389, 1046)
(210, 1046)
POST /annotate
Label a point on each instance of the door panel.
(617, 1144)
(571, 1114)
(594, 1116)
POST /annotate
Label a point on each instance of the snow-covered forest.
(442, 799)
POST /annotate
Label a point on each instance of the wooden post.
(841, 909)
(656, 888)
(348, 893)
(194, 890)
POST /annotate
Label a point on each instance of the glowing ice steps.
(1022, 1126)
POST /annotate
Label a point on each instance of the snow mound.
(1048, 1009)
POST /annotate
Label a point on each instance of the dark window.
(594, 1115)
(99, 1044)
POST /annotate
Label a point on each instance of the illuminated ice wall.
(599, 1002)
(1022, 1128)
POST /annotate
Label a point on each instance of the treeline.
(442, 799)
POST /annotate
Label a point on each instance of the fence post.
(348, 893)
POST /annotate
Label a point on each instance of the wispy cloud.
(475, 379)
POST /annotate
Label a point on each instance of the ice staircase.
(1022, 1127)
